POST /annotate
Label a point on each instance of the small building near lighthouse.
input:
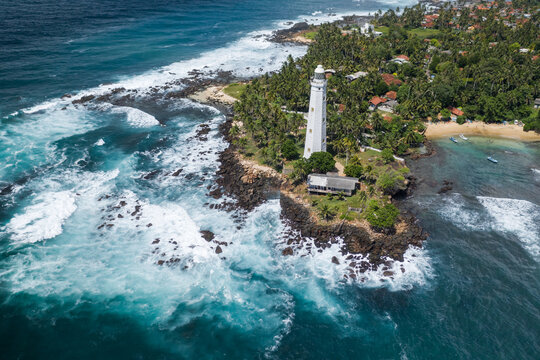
(316, 126)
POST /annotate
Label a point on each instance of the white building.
(369, 30)
(316, 126)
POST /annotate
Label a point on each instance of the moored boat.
(463, 137)
(490, 158)
(453, 139)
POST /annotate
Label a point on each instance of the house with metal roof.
(356, 75)
(331, 184)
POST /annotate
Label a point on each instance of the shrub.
(387, 156)
(289, 150)
(386, 182)
(354, 170)
(391, 182)
(301, 171)
(445, 113)
(321, 162)
(381, 217)
(461, 120)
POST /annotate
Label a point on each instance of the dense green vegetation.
(482, 60)
(381, 216)
(473, 60)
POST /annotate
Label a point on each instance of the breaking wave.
(136, 117)
(44, 218)
(519, 217)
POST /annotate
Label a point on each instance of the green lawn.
(310, 35)
(342, 206)
(235, 90)
(384, 29)
(424, 33)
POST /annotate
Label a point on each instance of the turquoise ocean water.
(78, 273)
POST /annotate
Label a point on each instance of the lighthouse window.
(312, 109)
(310, 131)
(308, 149)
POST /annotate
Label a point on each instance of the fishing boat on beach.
(463, 137)
(454, 139)
(490, 158)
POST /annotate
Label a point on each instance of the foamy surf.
(519, 217)
(43, 219)
(136, 117)
(335, 268)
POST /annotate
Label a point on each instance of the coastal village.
(333, 129)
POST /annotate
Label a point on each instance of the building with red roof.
(404, 57)
(456, 111)
(377, 100)
(392, 95)
(390, 79)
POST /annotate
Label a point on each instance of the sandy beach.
(511, 131)
(213, 94)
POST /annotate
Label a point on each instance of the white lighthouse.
(316, 126)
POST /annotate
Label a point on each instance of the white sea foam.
(100, 142)
(40, 107)
(519, 217)
(136, 117)
(43, 219)
(414, 270)
(536, 173)
(454, 208)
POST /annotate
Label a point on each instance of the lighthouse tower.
(316, 126)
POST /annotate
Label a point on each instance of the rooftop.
(332, 181)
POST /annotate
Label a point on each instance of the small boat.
(492, 159)
(463, 137)
(454, 139)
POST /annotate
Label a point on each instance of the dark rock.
(219, 250)
(137, 209)
(335, 260)
(156, 241)
(207, 235)
(150, 175)
(287, 251)
(84, 99)
(447, 186)
(177, 172)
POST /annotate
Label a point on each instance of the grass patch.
(310, 35)
(384, 29)
(235, 90)
(424, 33)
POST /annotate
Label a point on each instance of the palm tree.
(410, 138)
(326, 212)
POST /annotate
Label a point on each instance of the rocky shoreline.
(295, 33)
(251, 185)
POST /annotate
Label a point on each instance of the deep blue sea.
(89, 206)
